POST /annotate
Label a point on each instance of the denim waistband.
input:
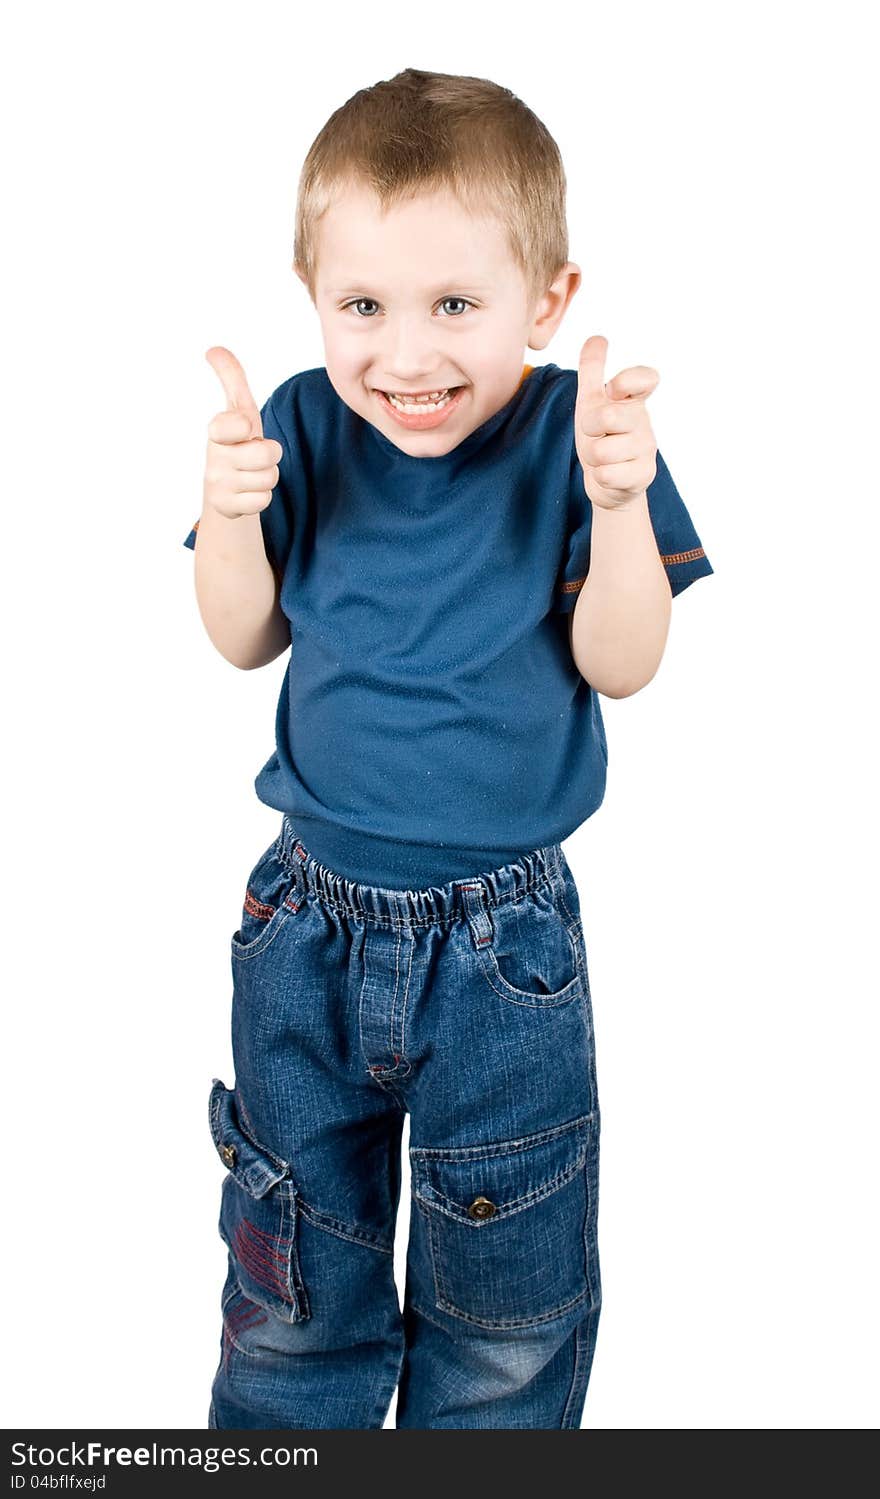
(434, 904)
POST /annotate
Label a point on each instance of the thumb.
(235, 387)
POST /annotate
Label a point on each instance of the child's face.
(425, 298)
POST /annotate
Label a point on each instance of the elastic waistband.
(433, 905)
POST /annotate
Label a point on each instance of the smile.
(420, 412)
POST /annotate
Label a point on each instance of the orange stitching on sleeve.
(690, 556)
(672, 557)
(196, 526)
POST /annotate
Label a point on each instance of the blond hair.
(420, 132)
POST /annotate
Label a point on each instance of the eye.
(461, 301)
(367, 307)
(360, 302)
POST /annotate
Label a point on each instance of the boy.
(415, 521)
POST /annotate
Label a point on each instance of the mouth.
(420, 410)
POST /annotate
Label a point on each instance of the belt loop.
(476, 909)
(298, 856)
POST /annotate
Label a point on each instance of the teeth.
(432, 402)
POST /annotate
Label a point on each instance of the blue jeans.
(468, 1006)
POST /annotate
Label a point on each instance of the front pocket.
(511, 1225)
(258, 1214)
(530, 958)
(271, 897)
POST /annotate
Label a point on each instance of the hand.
(241, 467)
(612, 429)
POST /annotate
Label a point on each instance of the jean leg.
(332, 1359)
(503, 1293)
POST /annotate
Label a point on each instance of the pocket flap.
(482, 1184)
(254, 1167)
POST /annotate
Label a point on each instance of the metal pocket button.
(228, 1154)
(481, 1207)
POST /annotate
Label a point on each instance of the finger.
(591, 371)
(637, 382)
(230, 427)
(622, 476)
(611, 417)
(234, 381)
(605, 450)
(259, 452)
(256, 481)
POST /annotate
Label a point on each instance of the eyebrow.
(461, 282)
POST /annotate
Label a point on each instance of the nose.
(409, 354)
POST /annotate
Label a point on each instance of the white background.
(720, 197)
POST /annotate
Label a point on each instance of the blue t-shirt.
(432, 723)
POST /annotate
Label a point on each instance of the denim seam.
(429, 1229)
(539, 882)
(580, 1352)
(417, 921)
(402, 1053)
(518, 1205)
(501, 1147)
(290, 1290)
(389, 1087)
(514, 1322)
(420, 1310)
(393, 1004)
(267, 936)
(230, 1328)
(216, 1100)
(246, 1352)
(560, 893)
(512, 996)
(341, 1230)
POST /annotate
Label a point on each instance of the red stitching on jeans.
(246, 1316)
(261, 1242)
(263, 1271)
(256, 907)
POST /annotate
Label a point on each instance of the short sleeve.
(276, 521)
(680, 548)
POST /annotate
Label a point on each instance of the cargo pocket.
(271, 897)
(258, 1214)
(529, 958)
(511, 1225)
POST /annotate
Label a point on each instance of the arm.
(620, 622)
(621, 618)
(237, 591)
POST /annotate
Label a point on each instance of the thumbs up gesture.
(613, 436)
(241, 467)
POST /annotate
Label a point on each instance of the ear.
(550, 309)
